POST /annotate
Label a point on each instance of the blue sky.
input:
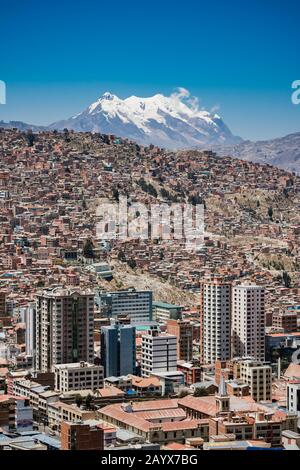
(58, 57)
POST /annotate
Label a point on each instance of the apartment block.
(183, 330)
(159, 353)
(258, 376)
(287, 321)
(192, 372)
(2, 304)
(64, 327)
(78, 376)
(248, 322)
(7, 412)
(81, 437)
(215, 320)
(293, 396)
(30, 333)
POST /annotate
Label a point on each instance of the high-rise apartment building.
(2, 303)
(64, 327)
(183, 330)
(118, 352)
(30, 332)
(248, 322)
(159, 353)
(215, 321)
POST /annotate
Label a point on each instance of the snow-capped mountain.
(174, 121)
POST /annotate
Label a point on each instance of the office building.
(136, 304)
(159, 353)
(118, 353)
(162, 312)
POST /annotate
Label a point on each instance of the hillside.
(283, 152)
(251, 212)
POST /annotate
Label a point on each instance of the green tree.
(270, 213)
(131, 263)
(66, 135)
(121, 256)
(88, 401)
(164, 193)
(183, 393)
(116, 195)
(286, 278)
(88, 249)
(195, 199)
(78, 400)
(30, 137)
(200, 392)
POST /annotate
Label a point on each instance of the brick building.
(183, 330)
(81, 437)
(285, 320)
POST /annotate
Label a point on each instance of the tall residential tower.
(64, 327)
(248, 322)
(215, 319)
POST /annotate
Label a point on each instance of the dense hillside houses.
(147, 341)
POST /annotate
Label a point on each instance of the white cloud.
(181, 94)
(215, 109)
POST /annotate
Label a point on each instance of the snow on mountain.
(174, 121)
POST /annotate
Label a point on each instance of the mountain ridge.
(282, 152)
(174, 121)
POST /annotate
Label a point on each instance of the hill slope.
(283, 152)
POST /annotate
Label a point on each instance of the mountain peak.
(108, 96)
(174, 121)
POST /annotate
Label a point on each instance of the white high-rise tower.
(248, 322)
(216, 315)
